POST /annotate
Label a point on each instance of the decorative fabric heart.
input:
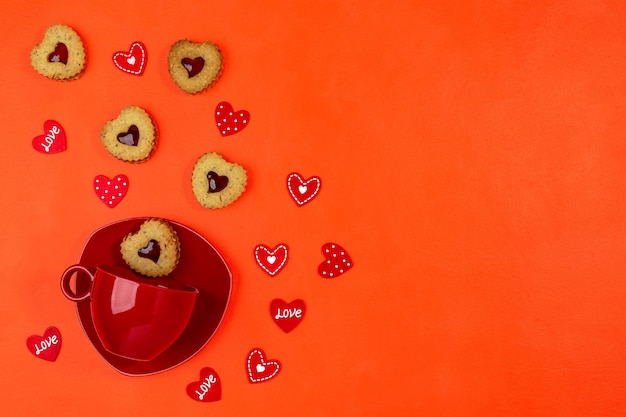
(134, 61)
(287, 315)
(111, 191)
(46, 347)
(208, 388)
(273, 260)
(53, 140)
(303, 191)
(260, 370)
(336, 261)
(229, 121)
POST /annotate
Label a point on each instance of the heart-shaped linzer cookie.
(110, 191)
(194, 66)
(259, 369)
(131, 136)
(216, 182)
(153, 250)
(46, 347)
(60, 55)
(134, 61)
(228, 120)
(53, 140)
(273, 260)
(208, 388)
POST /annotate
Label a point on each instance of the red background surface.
(472, 158)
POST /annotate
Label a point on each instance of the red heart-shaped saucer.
(110, 191)
(208, 388)
(273, 260)
(303, 191)
(287, 315)
(46, 347)
(229, 121)
(336, 261)
(134, 61)
(260, 370)
(53, 140)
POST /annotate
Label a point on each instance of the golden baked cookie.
(153, 250)
(131, 136)
(60, 55)
(216, 182)
(194, 67)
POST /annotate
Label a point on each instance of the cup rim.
(158, 284)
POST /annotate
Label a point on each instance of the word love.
(301, 190)
(46, 347)
(259, 369)
(207, 389)
(287, 315)
(52, 141)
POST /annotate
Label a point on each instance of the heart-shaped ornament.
(110, 191)
(273, 260)
(53, 140)
(229, 121)
(303, 191)
(336, 261)
(134, 61)
(208, 388)
(259, 369)
(46, 347)
(287, 315)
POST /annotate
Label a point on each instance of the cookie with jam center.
(131, 136)
(216, 182)
(194, 66)
(153, 250)
(60, 55)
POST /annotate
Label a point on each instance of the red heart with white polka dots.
(230, 121)
(110, 191)
(337, 261)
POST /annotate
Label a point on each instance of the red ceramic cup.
(134, 317)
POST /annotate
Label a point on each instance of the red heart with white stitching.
(287, 315)
(303, 191)
(110, 191)
(134, 61)
(271, 260)
(260, 370)
(46, 347)
(208, 388)
(53, 140)
(230, 121)
(337, 261)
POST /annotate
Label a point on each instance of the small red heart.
(134, 61)
(208, 388)
(46, 347)
(303, 191)
(337, 261)
(110, 191)
(229, 121)
(287, 315)
(53, 140)
(260, 370)
(271, 260)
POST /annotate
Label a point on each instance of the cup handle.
(65, 283)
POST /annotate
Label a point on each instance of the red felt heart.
(46, 347)
(208, 388)
(271, 260)
(53, 140)
(134, 61)
(230, 121)
(303, 191)
(110, 191)
(287, 315)
(336, 261)
(260, 370)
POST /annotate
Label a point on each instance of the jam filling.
(216, 182)
(151, 251)
(59, 54)
(130, 137)
(193, 66)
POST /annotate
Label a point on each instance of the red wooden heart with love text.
(208, 388)
(53, 139)
(287, 315)
(46, 347)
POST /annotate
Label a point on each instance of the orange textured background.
(473, 159)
